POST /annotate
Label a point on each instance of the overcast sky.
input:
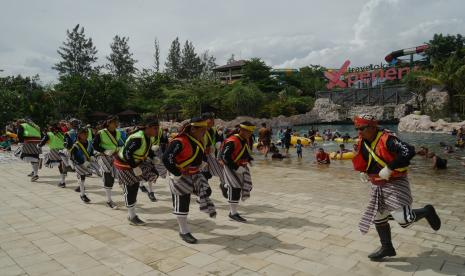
(292, 33)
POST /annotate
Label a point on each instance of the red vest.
(237, 148)
(361, 165)
(186, 151)
(186, 154)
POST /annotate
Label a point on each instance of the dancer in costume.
(184, 161)
(54, 138)
(133, 164)
(106, 144)
(236, 155)
(29, 136)
(383, 159)
(81, 158)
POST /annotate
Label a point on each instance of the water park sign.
(343, 80)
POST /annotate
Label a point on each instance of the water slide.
(405, 52)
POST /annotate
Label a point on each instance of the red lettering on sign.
(391, 74)
(401, 72)
(351, 79)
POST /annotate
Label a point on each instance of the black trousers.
(234, 194)
(108, 180)
(130, 194)
(181, 204)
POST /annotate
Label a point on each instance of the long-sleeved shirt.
(403, 152)
(44, 140)
(133, 145)
(77, 155)
(69, 141)
(226, 154)
(174, 148)
(20, 134)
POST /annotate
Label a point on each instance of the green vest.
(89, 134)
(141, 153)
(107, 141)
(210, 138)
(30, 131)
(55, 141)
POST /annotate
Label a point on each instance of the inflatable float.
(345, 156)
(340, 140)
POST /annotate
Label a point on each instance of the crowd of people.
(139, 155)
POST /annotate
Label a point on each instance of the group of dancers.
(196, 154)
(143, 154)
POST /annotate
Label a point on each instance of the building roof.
(128, 113)
(233, 65)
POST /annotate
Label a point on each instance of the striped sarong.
(127, 177)
(242, 181)
(391, 196)
(81, 170)
(214, 167)
(161, 169)
(52, 158)
(194, 184)
(105, 163)
(29, 152)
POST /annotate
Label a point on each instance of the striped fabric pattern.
(53, 157)
(242, 181)
(81, 170)
(106, 164)
(392, 196)
(127, 177)
(194, 184)
(214, 167)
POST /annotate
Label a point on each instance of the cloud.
(284, 34)
(382, 27)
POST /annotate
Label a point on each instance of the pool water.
(419, 164)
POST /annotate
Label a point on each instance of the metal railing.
(382, 95)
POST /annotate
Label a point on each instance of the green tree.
(441, 47)
(156, 55)
(191, 65)
(208, 64)
(258, 73)
(173, 60)
(245, 100)
(78, 54)
(121, 63)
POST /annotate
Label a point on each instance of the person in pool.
(275, 154)
(346, 137)
(341, 151)
(423, 151)
(298, 147)
(322, 157)
(438, 162)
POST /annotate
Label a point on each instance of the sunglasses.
(361, 128)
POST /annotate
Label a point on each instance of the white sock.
(149, 185)
(182, 221)
(81, 185)
(233, 208)
(132, 212)
(108, 193)
(35, 168)
(63, 177)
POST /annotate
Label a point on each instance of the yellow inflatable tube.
(303, 140)
(345, 155)
(340, 140)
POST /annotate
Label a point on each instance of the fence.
(389, 95)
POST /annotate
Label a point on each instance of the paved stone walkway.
(301, 222)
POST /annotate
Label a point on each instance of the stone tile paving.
(300, 223)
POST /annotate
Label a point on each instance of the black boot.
(386, 249)
(430, 214)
